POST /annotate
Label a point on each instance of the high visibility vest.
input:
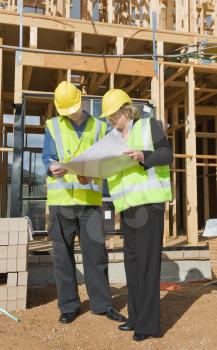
(136, 186)
(67, 190)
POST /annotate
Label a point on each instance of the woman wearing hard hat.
(74, 206)
(139, 193)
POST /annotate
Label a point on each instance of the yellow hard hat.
(112, 101)
(67, 98)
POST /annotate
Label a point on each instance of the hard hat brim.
(71, 110)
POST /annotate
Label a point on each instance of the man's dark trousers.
(65, 223)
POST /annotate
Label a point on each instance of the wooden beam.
(206, 111)
(136, 82)
(18, 84)
(107, 29)
(176, 75)
(125, 66)
(206, 97)
(205, 177)
(208, 135)
(191, 171)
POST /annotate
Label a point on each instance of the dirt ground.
(188, 321)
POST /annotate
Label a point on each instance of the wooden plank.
(193, 16)
(206, 111)
(134, 84)
(209, 135)
(205, 176)
(109, 11)
(108, 29)
(175, 75)
(33, 39)
(175, 111)
(125, 66)
(206, 97)
(191, 171)
(27, 73)
(18, 84)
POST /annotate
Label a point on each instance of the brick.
(3, 304)
(12, 265)
(3, 238)
(21, 292)
(3, 265)
(204, 254)
(21, 304)
(23, 224)
(23, 237)
(4, 225)
(13, 237)
(12, 293)
(12, 279)
(12, 251)
(22, 251)
(191, 254)
(22, 278)
(11, 305)
(3, 293)
(173, 255)
(3, 252)
(21, 264)
(13, 224)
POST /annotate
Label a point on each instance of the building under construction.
(163, 51)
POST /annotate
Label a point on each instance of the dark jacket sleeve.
(162, 154)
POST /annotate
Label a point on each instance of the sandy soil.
(188, 319)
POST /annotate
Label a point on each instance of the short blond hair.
(130, 110)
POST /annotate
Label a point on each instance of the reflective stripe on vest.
(72, 185)
(149, 184)
(58, 139)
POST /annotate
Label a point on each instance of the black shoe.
(125, 327)
(114, 315)
(68, 317)
(140, 336)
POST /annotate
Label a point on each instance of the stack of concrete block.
(13, 263)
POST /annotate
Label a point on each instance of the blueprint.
(102, 160)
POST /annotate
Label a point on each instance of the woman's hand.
(136, 155)
(84, 180)
(56, 170)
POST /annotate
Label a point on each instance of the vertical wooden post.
(215, 17)
(175, 112)
(145, 14)
(166, 235)
(169, 15)
(185, 15)
(179, 10)
(18, 85)
(193, 16)
(77, 48)
(110, 11)
(191, 170)
(157, 85)
(206, 175)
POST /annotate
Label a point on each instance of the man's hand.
(84, 180)
(56, 170)
(136, 155)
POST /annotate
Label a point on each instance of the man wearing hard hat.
(75, 207)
